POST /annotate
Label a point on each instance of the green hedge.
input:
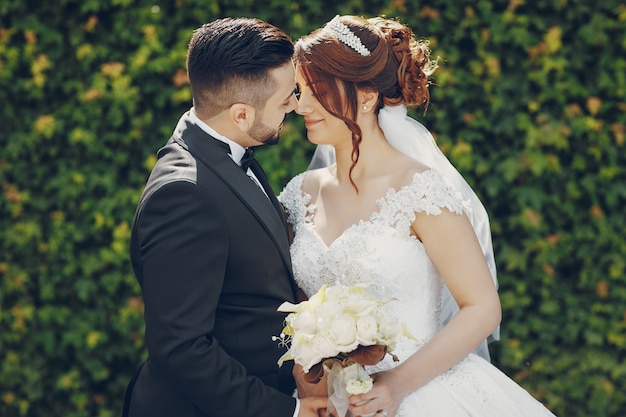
(528, 103)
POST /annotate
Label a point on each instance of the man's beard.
(262, 133)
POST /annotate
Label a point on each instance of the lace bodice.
(382, 252)
(379, 251)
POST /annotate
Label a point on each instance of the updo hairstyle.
(397, 67)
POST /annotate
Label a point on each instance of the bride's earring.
(364, 108)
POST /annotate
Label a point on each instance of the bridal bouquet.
(342, 329)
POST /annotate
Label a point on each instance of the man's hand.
(307, 389)
(313, 406)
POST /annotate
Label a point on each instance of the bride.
(392, 212)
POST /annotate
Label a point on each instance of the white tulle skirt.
(474, 387)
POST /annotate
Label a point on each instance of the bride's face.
(322, 127)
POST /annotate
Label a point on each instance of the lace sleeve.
(295, 201)
(428, 192)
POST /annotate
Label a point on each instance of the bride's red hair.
(397, 68)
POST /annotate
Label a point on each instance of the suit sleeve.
(183, 253)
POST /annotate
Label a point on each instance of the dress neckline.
(381, 202)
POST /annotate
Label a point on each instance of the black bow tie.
(247, 159)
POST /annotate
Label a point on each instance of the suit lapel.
(260, 174)
(211, 154)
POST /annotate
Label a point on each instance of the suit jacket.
(211, 254)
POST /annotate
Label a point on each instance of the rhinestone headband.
(345, 36)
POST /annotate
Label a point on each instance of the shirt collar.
(236, 150)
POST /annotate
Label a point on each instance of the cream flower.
(343, 331)
(366, 330)
(305, 322)
(356, 380)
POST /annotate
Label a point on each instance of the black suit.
(211, 254)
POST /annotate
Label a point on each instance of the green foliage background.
(529, 103)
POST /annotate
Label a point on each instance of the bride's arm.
(451, 244)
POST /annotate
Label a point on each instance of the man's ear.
(242, 116)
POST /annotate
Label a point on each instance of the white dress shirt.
(236, 150)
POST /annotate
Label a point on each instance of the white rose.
(367, 330)
(324, 347)
(305, 352)
(327, 310)
(343, 331)
(305, 322)
(390, 329)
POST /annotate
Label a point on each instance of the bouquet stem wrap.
(337, 393)
(344, 381)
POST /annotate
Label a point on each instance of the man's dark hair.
(229, 60)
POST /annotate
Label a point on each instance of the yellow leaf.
(8, 398)
(532, 218)
(31, 37)
(92, 94)
(84, 51)
(98, 220)
(150, 162)
(593, 105)
(150, 32)
(602, 289)
(37, 68)
(112, 69)
(553, 39)
(429, 12)
(93, 338)
(493, 66)
(608, 386)
(44, 125)
(90, 24)
(5, 35)
(596, 212)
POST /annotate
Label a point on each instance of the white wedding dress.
(381, 251)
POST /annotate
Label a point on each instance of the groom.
(209, 243)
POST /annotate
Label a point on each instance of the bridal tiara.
(345, 36)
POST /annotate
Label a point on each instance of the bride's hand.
(383, 400)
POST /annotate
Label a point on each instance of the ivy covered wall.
(529, 103)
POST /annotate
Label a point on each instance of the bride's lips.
(308, 123)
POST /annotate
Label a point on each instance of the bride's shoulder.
(303, 185)
(413, 170)
(313, 179)
(429, 185)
